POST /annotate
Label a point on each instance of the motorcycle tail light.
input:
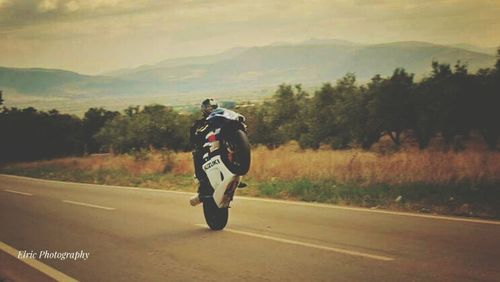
(212, 138)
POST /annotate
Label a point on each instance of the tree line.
(450, 101)
(29, 134)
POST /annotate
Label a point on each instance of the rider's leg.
(203, 183)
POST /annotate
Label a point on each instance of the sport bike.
(226, 159)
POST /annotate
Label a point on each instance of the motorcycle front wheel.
(215, 217)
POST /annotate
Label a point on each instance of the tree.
(279, 120)
(131, 110)
(263, 131)
(345, 108)
(487, 116)
(28, 134)
(391, 104)
(447, 102)
(286, 113)
(154, 127)
(93, 120)
(115, 135)
(320, 118)
(365, 128)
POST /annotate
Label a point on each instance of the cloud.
(72, 6)
(20, 14)
(48, 5)
(104, 34)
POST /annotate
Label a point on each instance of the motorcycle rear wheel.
(215, 217)
(239, 163)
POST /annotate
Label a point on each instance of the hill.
(310, 63)
(37, 81)
(243, 70)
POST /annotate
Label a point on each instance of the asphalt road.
(147, 235)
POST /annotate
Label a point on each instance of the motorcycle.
(226, 160)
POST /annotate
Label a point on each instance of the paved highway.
(134, 234)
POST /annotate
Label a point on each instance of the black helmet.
(208, 105)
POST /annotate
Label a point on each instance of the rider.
(198, 131)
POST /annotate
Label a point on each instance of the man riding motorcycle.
(198, 132)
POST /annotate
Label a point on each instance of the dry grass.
(290, 163)
(410, 166)
(464, 183)
(156, 162)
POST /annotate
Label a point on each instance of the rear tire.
(215, 217)
(238, 142)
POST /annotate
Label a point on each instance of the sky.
(96, 36)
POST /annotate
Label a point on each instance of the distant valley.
(237, 74)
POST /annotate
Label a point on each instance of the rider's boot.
(202, 193)
(195, 200)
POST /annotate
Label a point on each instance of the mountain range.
(311, 62)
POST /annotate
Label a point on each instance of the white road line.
(88, 205)
(17, 192)
(315, 246)
(51, 272)
(329, 206)
(93, 186)
(285, 202)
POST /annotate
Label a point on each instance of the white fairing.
(221, 179)
(225, 113)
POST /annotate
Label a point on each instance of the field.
(460, 183)
(180, 101)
